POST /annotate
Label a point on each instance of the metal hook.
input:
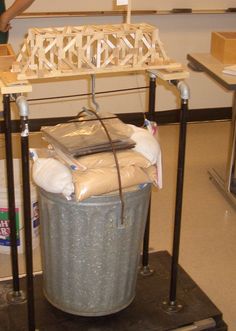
(93, 93)
(93, 87)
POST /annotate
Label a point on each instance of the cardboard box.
(223, 46)
(7, 57)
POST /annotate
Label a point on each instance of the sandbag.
(104, 180)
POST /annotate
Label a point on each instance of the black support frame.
(11, 192)
(26, 207)
(27, 201)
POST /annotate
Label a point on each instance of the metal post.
(145, 269)
(173, 305)
(15, 295)
(152, 97)
(23, 108)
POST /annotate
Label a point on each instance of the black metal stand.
(23, 107)
(172, 304)
(28, 231)
(144, 314)
(152, 97)
(15, 295)
(145, 268)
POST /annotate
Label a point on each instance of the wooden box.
(7, 57)
(223, 46)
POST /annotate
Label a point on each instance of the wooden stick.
(128, 20)
(29, 15)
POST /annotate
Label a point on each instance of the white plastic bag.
(148, 146)
(53, 176)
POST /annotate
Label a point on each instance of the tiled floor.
(207, 248)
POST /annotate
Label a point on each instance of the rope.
(87, 94)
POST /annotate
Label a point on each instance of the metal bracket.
(198, 326)
(22, 105)
(152, 73)
(183, 89)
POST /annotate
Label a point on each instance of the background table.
(213, 67)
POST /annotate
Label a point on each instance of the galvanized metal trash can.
(90, 259)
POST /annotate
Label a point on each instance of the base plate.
(145, 313)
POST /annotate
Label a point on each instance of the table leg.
(227, 183)
(231, 165)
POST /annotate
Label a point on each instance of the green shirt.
(3, 35)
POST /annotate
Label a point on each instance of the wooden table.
(210, 65)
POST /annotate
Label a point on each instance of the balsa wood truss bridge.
(92, 49)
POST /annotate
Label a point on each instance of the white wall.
(72, 5)
(181, 34)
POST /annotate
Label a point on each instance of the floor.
(207, 248)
